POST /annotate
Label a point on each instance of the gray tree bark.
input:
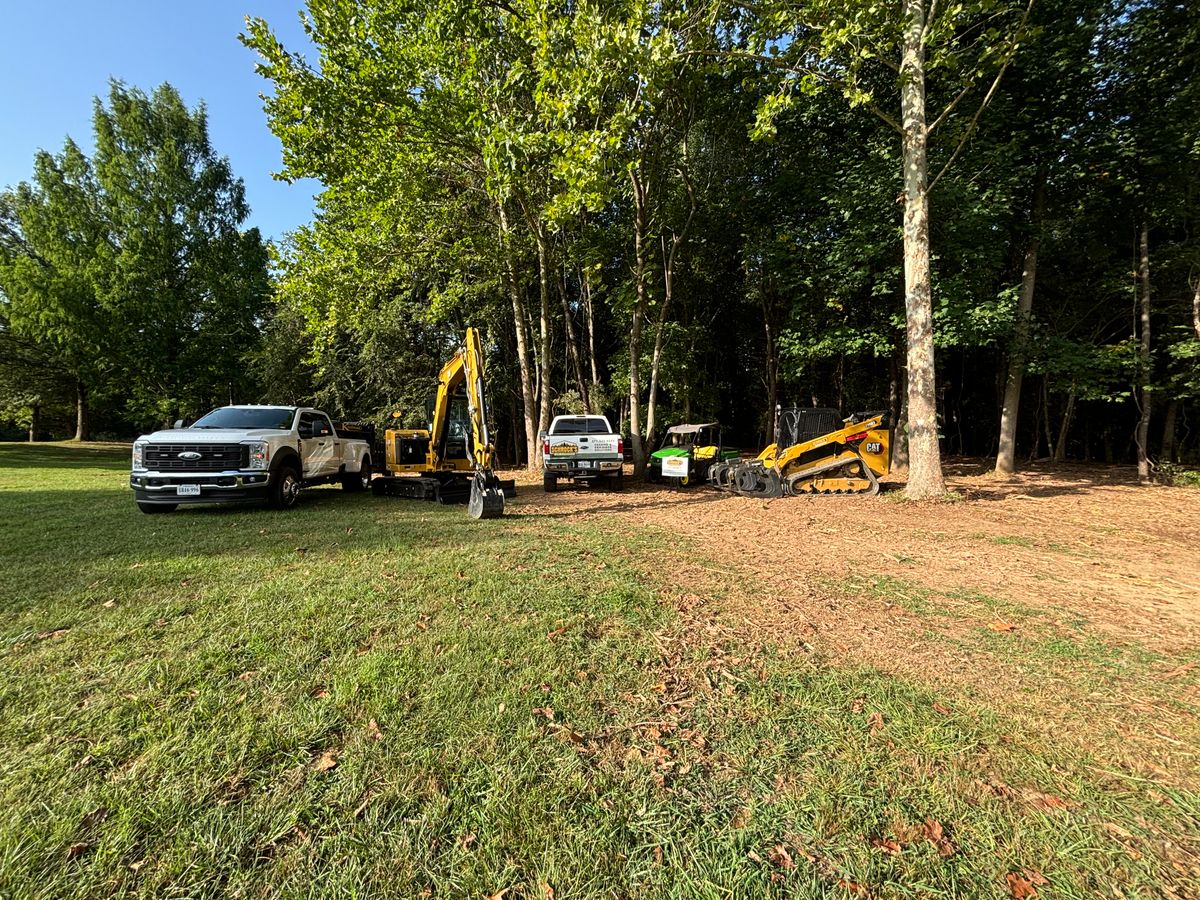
(639, 315)
(1142, 436)
(1005, 456)
(925, 479)
(533, 448)
(83, 428)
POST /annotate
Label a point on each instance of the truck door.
(318, 446)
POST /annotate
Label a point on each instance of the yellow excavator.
(816, 451)
(451, 460)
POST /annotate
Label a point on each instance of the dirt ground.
(1067, 596)
(1088, 540)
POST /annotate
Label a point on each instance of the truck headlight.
(260, 454)
(139, 456)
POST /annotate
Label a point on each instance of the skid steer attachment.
(814, 453)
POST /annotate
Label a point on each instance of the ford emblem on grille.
(189, 454)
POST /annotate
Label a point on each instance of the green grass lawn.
(375, 697)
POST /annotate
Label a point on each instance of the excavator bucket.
(487, 497)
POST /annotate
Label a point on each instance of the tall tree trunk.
(1170, 418)
(772, 371)
(1020, 347)
(533, 448)
(925, 480)
(1142, 435)
(573, 348)
(639, 314)
(544, 350)
(1046, 416)
(1060, 448)
(655, 359)
(591, 326)
(35, 421)
(83, 428)
(1196, 309)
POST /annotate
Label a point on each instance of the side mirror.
(178, 423)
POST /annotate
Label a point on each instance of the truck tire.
(616, 482)
(151, 509)
(284, 491)
(549, 483)
(359, 482)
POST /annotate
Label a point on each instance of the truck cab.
(247, 453)
(582, 449)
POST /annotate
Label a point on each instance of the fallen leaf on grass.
(1020, 887)
(547, 891)
(138, 566)
(86, 761)
(1179, 670)
(557, 633)
(887, 845)
(133, 867)
(56, 633)
(500, 894)
(467, 841)
(857, 706)
(779, 856)
(320, 694)
(943, 709)
(94, 818)
(875, 720)
(741, 818)
(109, 604)
(361, 808)
(935, 835)
(658, 855)
(246, 676)
(77, 850)
(423, 625)
(853, 887)
(374, 730)
(1046, 802)
(1001, 626)
(544, 711)
(326, 761)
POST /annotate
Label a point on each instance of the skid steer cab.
(816, 451)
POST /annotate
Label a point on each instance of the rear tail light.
(546, 447)
(620, 447)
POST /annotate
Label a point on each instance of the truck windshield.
(581, 425)
(236, 417)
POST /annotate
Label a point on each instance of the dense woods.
(982, 216)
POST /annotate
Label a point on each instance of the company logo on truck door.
(564, 448)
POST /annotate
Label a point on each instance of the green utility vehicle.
(689, 452)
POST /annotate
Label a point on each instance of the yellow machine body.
(846, 460)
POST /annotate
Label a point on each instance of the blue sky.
(59, 55)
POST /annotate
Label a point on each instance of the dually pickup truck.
(582, 448)
(244, 453)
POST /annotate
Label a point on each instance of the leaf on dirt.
(374, 730)
(875, 720)
(741, 818)
(326, 761)
(887, 845)
(1001, 626)
(935, 834)
(56, 633)
(853, 887)
(247, 675)
(1046, 802)
(943, 709)
(77, 850)
(1020, 887)
(779, 856)
(857, 706)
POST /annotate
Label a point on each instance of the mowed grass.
(371, 697)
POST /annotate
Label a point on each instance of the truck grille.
(213, 457)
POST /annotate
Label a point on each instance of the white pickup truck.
(582, 448)
(243, 453)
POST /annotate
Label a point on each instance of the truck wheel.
(616, 482)
(151, 509)
(285, 490)
(549, 483)
(359, 482)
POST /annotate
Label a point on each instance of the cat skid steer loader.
(451, 460)
(815, 452)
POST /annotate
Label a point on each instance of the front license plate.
(585, 464)
(187, 490)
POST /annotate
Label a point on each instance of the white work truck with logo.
(582, 449)
(244, 453)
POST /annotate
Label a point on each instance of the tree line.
(980, 216)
